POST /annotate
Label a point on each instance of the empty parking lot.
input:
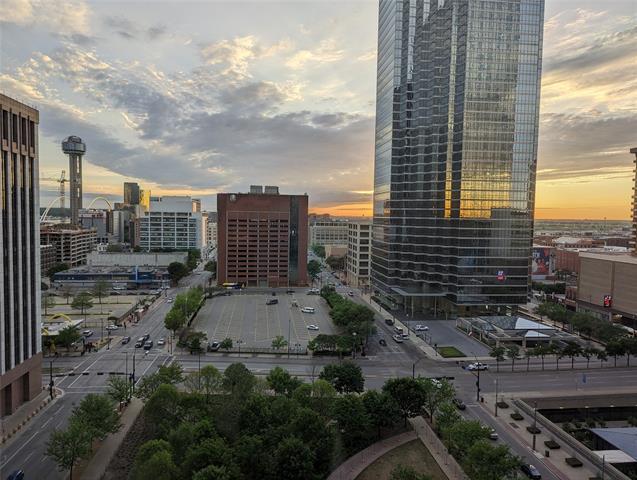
(246, 317)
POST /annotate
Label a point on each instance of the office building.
(458, 86)
(131, 193)
(633, 244)
(72, 244)
(47, 258)
(75, 149)
(20, 345)
(98, 220)
(262, 239)
(211, 232)
(171, 222)
(328, 232)
(358, 258)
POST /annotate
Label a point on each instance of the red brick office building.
(262, 238)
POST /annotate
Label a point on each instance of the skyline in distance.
(190, 103)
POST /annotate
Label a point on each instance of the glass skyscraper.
(458, 88)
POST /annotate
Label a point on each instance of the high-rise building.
(72, 244)
(458, 88)
(20, 344)
(75, 149)
(358, 259)
(262, 239)
(131, 193)
(171, 222)
(634, 236)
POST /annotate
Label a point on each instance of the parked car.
(312, 327)
(214, 346)
(421, 328)
(531, 472)
(112, 327)
(382, 342)
(87, 333)
(493, 435)
(459, 404)
(307, 309)
(289, 291)
(125, 340)
(161, 341)
(148, 345)
(272, 301)
(170, 300)
(398, 338)
(477, 366)
(389, 321)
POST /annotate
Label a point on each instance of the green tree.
(67, 447)
(96, 412)
(346, 377)
(66, 291)
(281, 382)
(118, 388)
(317, 434)
(404, 472)
(293, 460)
(436, 394)
(498, 354)
(177, 271)
(555, 349)
(211, 266)
(238, 380)
(207, 381)
(214, 472)
(319, 250)
(588, 353)
(55, 268)
(353, 422)
(460, 436)
(513, 352)
(572, 350)
(82, 302)
(153, 461)
(447, 416)
(485, 461)
(68, 336)
(408, 393)
(601, 356)
(382, 410)
(47, 302)
(101, 289)
(166, 375)
(336, 263)
(174, 320)
(161, 411)
(196, 342)
(541, 351)
(615, 348)
(313, 269)
(279, 342)
(226, 344)
(629, 345)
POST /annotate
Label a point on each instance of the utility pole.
(496, 397)
(534, 423)
(51, 384)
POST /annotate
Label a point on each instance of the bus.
(232, 286)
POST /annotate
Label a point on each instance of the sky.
(208, 96)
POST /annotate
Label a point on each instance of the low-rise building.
(135, 259)
(171, 222)
(72, 244)
(358, 254)
(47, 257)
(328, 232)
(84, 277)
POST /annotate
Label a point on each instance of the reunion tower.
(75, 149)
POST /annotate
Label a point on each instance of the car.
(382, 342)
(274, 294)
(112, 327)
(125, 340)
(272, 301)
(493, 435)
(421, 328)
(398, 330)
(313, 291)
(228, 293)
(161, 341)
(214, 346)
(530, 471)
(312, 327)
(148, 345)
(146, 336)
(350, 293)
(139, 343)
(290, 291)
(398, 338)
(459, 403)
(87, 333)
(16, 475)
(155, 292)
(389, 321)
(307, 309)
(477, 366)
(170, 300)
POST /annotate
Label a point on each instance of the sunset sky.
(201, 97)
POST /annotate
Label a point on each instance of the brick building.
(262, 238)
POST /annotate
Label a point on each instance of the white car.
(398, 338)
(161, 341)
(421, 328)
(312, 327)
(111, 327)
(477, 366)
(170, 300)
(307, 309)
(87, 333)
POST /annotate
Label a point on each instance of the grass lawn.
(413, 454)
(450, 352)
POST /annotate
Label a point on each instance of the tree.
(196, 341)
(601, 356)
(346, 377)
(498, 354)
(381, 409)
(294, 461)
(313, 268)
(402, 472)
(47, 302)
(513, 352)
(153, 461)
(214, 472)
(529, 353)
(408, 393)
(485, 461)
(174, 320)
(206, 381)
(101, 289)
(282, 382)
(96, 412)
(615, 349)
(460, 436)
(166, 375)
(336, 263)
(319, 250)
(211, 266)
(238, 380)
(67, 292)
(118, 388)
(447, 415)
(68, 336)
(68, 446)
(629, 345)
(572, 350)
(162, 409)
(436, 394)
(353, 422)
(541, 351)
(543, 310)
(82, 302)
(555, 349)
(55, 268)
(177, 271)
(226, 344)
(279, 342)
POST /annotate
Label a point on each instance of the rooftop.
(619, 258)
(624, 439)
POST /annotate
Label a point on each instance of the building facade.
(211, 233)
(633, 243)
(72, 245)
(97, 220)
(20, 341)
(131, 193)
(47, 258)
(358, 258)
(328, 232)
(171, 222)
(262, 239)
(458, 87)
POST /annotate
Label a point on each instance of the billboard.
(542, 263)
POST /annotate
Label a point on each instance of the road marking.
(45, 423)
(18, 450)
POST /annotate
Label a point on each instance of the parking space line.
(220, 318)
(278, 319)
(267, 323)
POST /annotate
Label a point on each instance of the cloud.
(129, 30)
(326, 52)
(68, 18)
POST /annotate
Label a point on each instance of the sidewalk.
(98, 464)
(11, 425)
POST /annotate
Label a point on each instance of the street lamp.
(239, 342)
(413, 367)
(51, 384)
(354, 351)
(534, 423)
(496, 397)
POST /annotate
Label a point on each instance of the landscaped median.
(449, 352)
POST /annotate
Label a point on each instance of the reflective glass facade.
(456, 151)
